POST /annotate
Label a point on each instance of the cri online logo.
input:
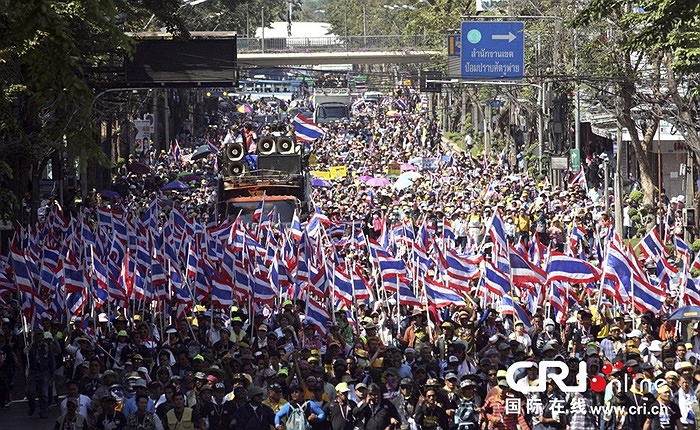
(597, 383)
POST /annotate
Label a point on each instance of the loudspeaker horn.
(285, 145)
(235, 168)
(235, 151)
(266, 146)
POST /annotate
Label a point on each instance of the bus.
(257, 89)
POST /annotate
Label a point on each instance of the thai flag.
(182, 294)
(557, 304)
(192, 261)
(496, 281)
(305, 130)
(257, 215)
(296, 232)
(564, 268)
(523, 271)
(682, 248)
(212, 148)
(73, 275)
(651, 245)
(175, 152)
(579, 179)
(692, 293)
(388, 265)
(343, 286)
(500, 243)
(317, 315)
(318, 282)
(401, 104)
(511, 307)
(221, 290)
(617, 269)
(23, 278)
(359, 103)
(460, 270)
(696, 262)
(406, 296)
(360, 286)
(577, 233)
(318, 213)
(440, 296)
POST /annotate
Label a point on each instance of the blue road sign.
(493, 50)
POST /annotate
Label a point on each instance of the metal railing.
(336, 43)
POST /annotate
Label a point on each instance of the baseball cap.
(342, 387)
(634, 333)
(140, 383)
(450, 375)
(467, 383)
(255, 391)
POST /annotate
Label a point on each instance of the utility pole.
(618, 181)
(262, 16)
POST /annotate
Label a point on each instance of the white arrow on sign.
(509, 37)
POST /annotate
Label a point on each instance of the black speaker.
(286, 163)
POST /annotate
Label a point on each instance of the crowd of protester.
(388, 367)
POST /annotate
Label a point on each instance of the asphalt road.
(15, 417)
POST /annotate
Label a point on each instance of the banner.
(338, 172)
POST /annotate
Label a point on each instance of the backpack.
(296, 418)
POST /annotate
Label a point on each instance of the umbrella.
(319, 182)
(201, 152)
(183, 174)
(139, 168)
(365, 178)
(244, 108)
(406, 166)
(378, 182)
(410, 175)
(393, 113)
(108, 194)
(402, 183)
(175, 185)
(686, 313)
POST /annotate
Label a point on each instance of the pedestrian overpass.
(296, 51)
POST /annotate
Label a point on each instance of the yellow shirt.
(522, 224)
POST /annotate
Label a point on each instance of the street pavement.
(15, 417)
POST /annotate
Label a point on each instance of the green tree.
(46, 54)
(650, 49)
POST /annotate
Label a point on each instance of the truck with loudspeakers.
(275, 177)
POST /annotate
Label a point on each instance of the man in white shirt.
(84, 401)
(685, 399)
(233, 136)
